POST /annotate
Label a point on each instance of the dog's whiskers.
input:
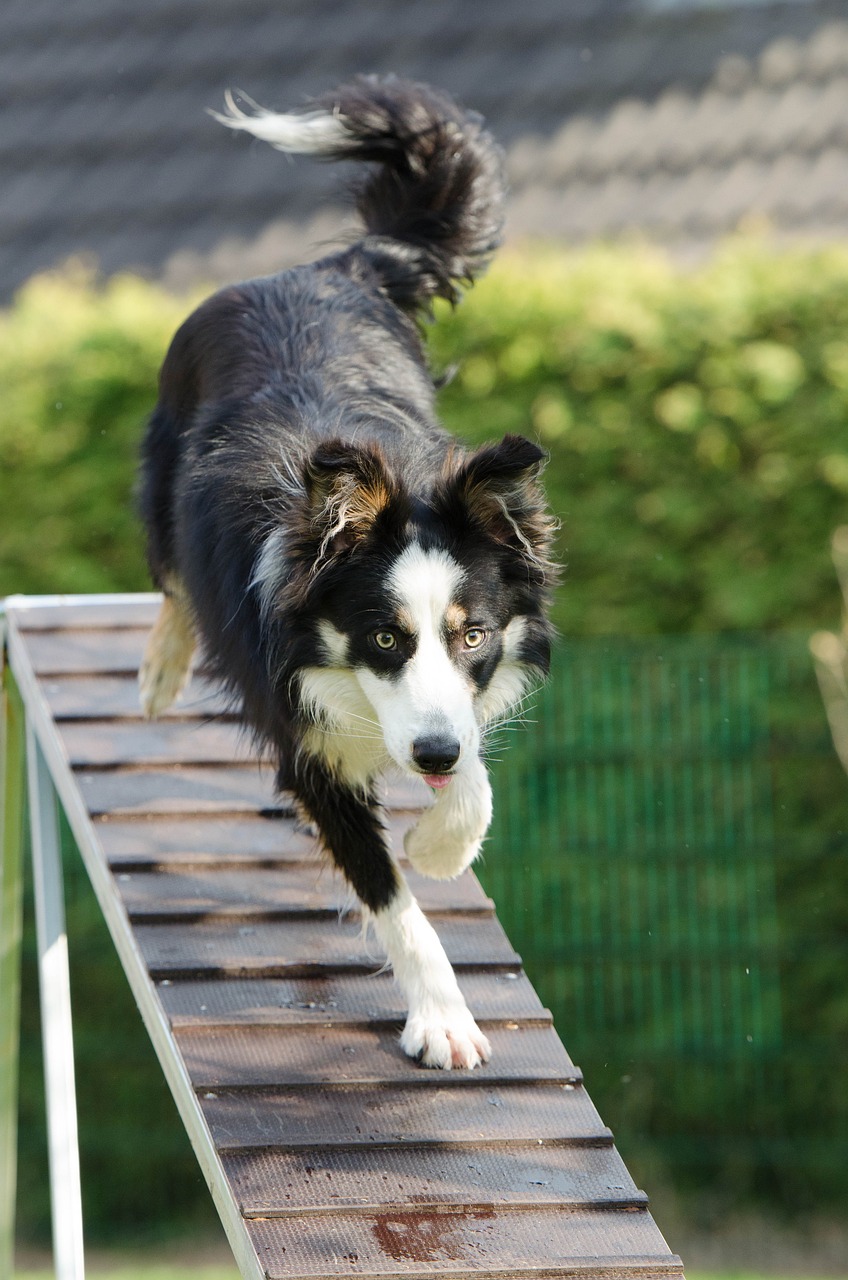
(359, 736)
(351, 715)
(512, 723)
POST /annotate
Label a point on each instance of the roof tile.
(675, 122)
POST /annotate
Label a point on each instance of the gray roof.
(674, 117)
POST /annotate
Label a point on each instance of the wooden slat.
(86, 651)
(72, 614)
(303, 947)
(180, 789)
(114, 743)
(281, 1183)
(162, 841)
(439, 1115)
(371, 998)
(253, 1057)
(102, 697)
(246, 895)
(485, 1243)
(255, 840)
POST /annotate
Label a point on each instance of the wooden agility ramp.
(327, 1152)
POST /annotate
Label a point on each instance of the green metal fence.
(669, 856)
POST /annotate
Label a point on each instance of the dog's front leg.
(447, 837)
(439, 1031)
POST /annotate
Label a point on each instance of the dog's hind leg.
(166, 665)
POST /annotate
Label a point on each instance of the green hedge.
(78, 367)
(696, 423)
(695, 420)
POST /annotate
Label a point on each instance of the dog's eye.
(474, 637)
(385, 640)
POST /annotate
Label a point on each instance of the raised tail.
(433, 209)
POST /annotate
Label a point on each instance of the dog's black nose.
(435, 754)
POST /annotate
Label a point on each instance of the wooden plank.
(255, 1057)
(99, 697)
(254, 840)
(188, 789)
(151, 842)
(33, 613)
(345, 998)
(181, 790)
(86, 651)
(274, 1184)
(96, 743)
(483, 1243)
(298, 889)
(304, 947)
(439, 1115)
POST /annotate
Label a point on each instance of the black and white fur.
(372, 593)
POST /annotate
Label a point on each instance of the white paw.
(447, 1039)
(447, 837)
(437, 853)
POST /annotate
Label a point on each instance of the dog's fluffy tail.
(433, 209)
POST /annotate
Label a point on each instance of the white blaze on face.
(429, 696)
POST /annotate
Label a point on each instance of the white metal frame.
(57, 1034)
(51, 782)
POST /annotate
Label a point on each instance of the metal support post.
(57, 1033)
(12, 791)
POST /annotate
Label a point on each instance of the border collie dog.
(370, 592)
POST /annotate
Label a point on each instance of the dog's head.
(427, 616)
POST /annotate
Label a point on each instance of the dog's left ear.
(348, 488)
(498, 488)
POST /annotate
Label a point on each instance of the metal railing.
(22, 756)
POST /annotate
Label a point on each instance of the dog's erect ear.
(348, 488)
(498, 488)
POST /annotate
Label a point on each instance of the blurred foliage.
(698, 462)
(78, 367)
(695, 421)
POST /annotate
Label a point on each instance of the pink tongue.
(437, 780)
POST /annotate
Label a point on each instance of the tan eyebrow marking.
(455, 617)
(405, 621)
